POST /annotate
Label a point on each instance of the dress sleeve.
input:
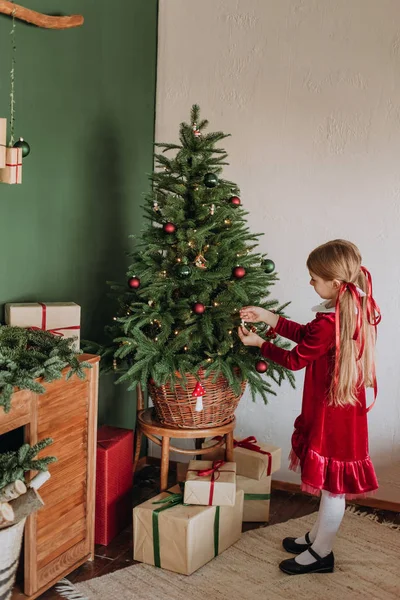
(290, 329)
(318, 338)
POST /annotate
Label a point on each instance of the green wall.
(85, 101)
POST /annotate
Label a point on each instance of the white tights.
(322, 535)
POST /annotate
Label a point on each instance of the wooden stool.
(147, 425)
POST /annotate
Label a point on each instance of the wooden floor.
(118, 554)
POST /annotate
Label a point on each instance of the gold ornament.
(200, 262)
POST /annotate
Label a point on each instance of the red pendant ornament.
(261, 366)
(134, 283)
(239, 272)
(235, 201)
(169, 228)
(198, 308)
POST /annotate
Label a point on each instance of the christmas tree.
(193, 268)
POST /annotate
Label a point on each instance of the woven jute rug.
(367, 566)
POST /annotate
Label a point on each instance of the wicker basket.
(176, 408)
(10, 548)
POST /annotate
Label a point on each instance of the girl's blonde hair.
(356, 319)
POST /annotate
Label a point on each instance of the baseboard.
(292, 488)
(371, 502)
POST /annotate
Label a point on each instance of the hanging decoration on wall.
(39, 19)
(11, 172)
(11, 154)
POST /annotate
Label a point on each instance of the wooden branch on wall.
(39, 19)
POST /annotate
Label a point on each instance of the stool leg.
(164, 463)
(199, 442)
(229, 447)
(138, 445)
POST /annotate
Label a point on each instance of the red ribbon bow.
(373, 318)
(250, 443)
(215, 473)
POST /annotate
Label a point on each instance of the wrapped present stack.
(59, 318)
(199, 518)
(114, 468)
(255, 463)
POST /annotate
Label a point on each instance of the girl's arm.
(318, 338)
(290, 329)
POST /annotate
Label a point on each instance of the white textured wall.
(310, 91)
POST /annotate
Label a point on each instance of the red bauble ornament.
(261, 366)
(198, 308)
(239, 272)
(169, 227)
(235, 201)
(134, 283)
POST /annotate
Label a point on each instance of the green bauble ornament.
(183, 271)
(210, 180)
(268, 265)
(24, 145)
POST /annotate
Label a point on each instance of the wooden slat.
(49, 555)
(62, 564)
(61, 425)
(52, 494)
(56, 511)
(30, 549)
(47, 547)
(19, 413)
(54, 530)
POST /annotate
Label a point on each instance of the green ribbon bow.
(174, 499)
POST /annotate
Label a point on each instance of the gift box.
(3, 142)
(252, 459)
(113, 482)
(257, 495)
(182, 538)
(12, 171)
(181, 470)
(60, 318)
(210, 483)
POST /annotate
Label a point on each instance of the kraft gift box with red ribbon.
(113, 482)
(12, 171)
(210, 483)
(172, 535)
(60, 318)
(3, 136)
(257, 494)
(253, 460)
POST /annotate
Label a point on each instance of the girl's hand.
(249, 338)
(256, 314)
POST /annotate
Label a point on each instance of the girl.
(330, 439)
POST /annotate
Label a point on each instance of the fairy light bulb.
(176, 332)
(185, 348)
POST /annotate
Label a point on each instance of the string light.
(156, 339)
(209, 360)
(191, 244)
(178, 260)
(114, 318)
(230, 332)
(216, 303)
(176, 332)
(185, 348)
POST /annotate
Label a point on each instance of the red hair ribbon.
(373, 317)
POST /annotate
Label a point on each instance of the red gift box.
(113, 482)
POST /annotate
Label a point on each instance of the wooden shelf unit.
(60, 536)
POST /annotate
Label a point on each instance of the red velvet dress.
(330, 443)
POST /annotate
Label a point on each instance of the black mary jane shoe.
(291, 546)
(321, 565)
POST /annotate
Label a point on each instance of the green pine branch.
(14, 465)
